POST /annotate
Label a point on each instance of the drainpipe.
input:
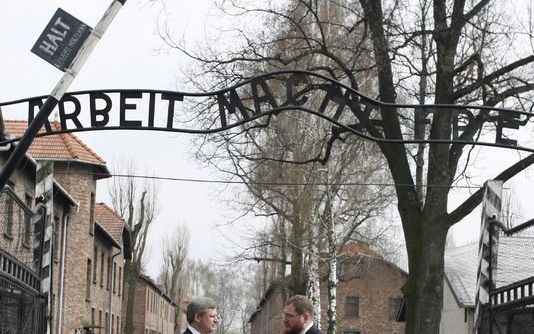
(110, 313)
(64, 231)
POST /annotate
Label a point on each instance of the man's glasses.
(290, 315)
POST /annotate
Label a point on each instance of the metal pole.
(491, 284)
(64, 233)
(58, 92)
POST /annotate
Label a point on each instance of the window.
(28, 221)
(8, 214)
(93, 316)
(394, 307)
(95, 259)
(100, 321)
(120, 280)
(88, 287)
(108, 274)
(92, 214)
(352, 306)
(56, 239)
(102, 269)
(114, 277)
(107, 322)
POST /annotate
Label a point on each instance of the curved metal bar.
(267, 75)
(236, 109)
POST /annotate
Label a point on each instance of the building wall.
(17, 239)
(454, 319)
(78, 180)
(104, 280)
(376, 285)
(140, 306)
(154, 311)
(269, 319)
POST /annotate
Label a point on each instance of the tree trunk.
(131, 279)
(298, 281)
(332, 267)
(313, 290)
(424, 289)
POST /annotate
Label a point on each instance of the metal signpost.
(487, 253)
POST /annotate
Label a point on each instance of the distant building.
(154, 310)
(105, 277)
(368, 296)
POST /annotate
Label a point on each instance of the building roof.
(109, 221)
(461, 266)
(156, 287)
(64, 146)
(515, 262)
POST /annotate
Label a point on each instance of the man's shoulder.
(313, 330)
(187, 331)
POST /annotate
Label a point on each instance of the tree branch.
(474, 200)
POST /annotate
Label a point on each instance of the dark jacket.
(187, 331)
(313, 330)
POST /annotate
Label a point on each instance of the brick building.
(368, 296)
(105, 271)
(154, 310)
(21, 302)
(75, 302)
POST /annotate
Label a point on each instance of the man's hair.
(301, 303)
(199, 306)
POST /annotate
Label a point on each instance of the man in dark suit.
(201, 316)
(298, 316)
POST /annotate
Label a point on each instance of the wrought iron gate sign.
(270, 94)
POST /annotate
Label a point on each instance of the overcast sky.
(131, 55)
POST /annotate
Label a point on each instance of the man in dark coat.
(201, 316)
(298, 316)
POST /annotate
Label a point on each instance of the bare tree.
(172, 271)
(511, 211)
(227, 285)
(294, 193)
(135, 201)
(444, 51)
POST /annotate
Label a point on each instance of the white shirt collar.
(193, 329)
(306, 328)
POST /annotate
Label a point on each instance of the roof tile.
(515, 262)
(107, 218)
(60, 146)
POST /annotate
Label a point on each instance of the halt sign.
(61, 40)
